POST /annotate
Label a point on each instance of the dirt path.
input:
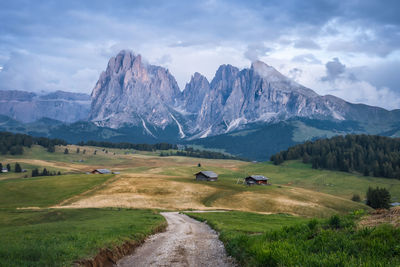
(186, 242)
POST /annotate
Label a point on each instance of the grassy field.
(97, 216)
(46, 190)
(150, 181)
(246, 222)
(260, 240)
(59, 237)
(343, 184)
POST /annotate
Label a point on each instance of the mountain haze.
(29, 107)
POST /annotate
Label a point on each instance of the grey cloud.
(75, 35)
(165, 59)
(306, 58)
(384, 74)
(334, 70)
(255, 51)
(295, 73)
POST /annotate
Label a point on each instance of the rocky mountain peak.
(195, 92)
(266, 71)
(133, 92)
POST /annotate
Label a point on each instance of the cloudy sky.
(350, 49)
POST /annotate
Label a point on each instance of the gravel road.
(186, 242)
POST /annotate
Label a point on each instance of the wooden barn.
(101, 171)
(256, 180)
(206, 176)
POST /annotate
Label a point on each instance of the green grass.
(295, 174)
(101, 158)
(45, 190)
(343, 184)
(60, 237)
(282, 240)
(228, 191)
(246, 222)
(28, 173)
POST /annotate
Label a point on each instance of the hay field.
(149, 181)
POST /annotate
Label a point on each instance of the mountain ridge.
(233, 99)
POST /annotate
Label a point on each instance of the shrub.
(335, 222)
(378, 198)
(356, 198)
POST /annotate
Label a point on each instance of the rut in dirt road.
(186, 242)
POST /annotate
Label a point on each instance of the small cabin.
(4, 170)
(256, 180)
(101, 171)
(206, 176)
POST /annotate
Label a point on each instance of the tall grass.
(331, 242)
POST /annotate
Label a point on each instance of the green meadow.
(59, 237)
(282, 240)
(36, 233)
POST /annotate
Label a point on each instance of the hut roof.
(103, 171)
(258, 177)
(209, 174)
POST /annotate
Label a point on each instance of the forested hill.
(368, 154)
(14, 143)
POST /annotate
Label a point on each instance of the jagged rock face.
(29, 107)
(257, 94)
(195, 92)
(131, 92)
(134, 93)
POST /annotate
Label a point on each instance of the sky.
(350, 49)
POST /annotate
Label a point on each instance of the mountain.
(253, 112)
(131, 93)
(28, 107)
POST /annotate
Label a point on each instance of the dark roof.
(103, 171)
(258, 177)
(209, 174)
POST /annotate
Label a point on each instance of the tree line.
(44, 172)
(370, 155)
(125, 145)
(13, 144)
(196, 153)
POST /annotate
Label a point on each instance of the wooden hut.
(256, 180)
(206, 176)
(101, 171)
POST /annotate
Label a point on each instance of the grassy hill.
(38, 229)
(150, 181)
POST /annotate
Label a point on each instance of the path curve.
(186, 242)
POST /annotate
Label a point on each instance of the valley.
(144, 185)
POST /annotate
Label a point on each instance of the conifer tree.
(18, 167)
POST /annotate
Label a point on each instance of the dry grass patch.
(147, 191)
(382, 216)
(296, 201)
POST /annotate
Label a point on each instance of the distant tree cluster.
(141, 147)
(368, 154)
(7, 167)
(196, 153)
(14, 143)
(378, 198)
(45, 172)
